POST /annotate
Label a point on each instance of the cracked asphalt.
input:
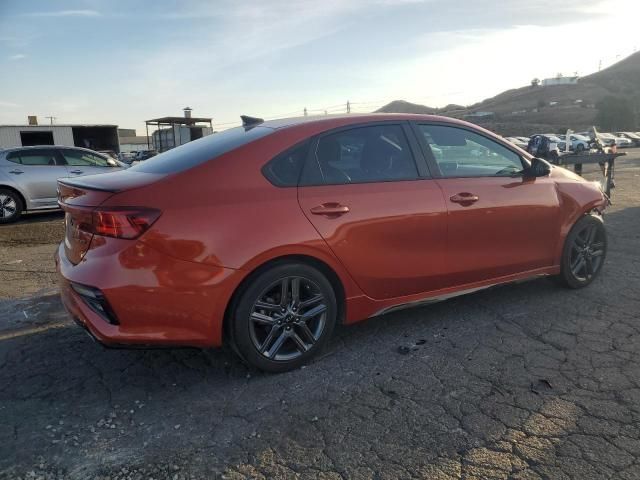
(525, 381)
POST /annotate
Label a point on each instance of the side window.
(99, 161)
(78, 158)
(462, 153)
(378, 153)
(284, 170)
(13, 157)
(37, 157)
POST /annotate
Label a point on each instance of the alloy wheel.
(587, 252)
(8, 206)
(288, 318)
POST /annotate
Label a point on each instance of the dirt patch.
(26, 254)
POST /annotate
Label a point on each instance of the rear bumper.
(161, 301)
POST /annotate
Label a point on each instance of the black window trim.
(431, 160)
(414, 151)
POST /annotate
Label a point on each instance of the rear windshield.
(199, 151)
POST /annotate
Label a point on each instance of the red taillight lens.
(123, 222)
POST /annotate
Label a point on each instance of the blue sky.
(117, 61)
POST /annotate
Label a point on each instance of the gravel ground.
(524, 381)
(26, 254)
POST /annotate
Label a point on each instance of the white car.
(633, 137)
(620, 142)
(578, 143)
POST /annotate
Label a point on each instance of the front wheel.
(584, 252)
(284, 317)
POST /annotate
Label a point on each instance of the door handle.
(330, 209)
(464, 198)
(76, 171)
(16, 172)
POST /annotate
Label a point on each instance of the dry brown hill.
(402, 106)
(530, 109)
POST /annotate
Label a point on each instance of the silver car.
(28, 175)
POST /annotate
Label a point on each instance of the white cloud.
(17, 56)
(65, 13)
(467, 66)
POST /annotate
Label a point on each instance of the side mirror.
(538, 168)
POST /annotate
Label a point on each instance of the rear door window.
(377, 153)
(37, 157)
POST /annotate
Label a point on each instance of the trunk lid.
(80, 197)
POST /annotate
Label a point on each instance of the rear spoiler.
(113, 182)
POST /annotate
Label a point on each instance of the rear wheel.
(10, 206)
(584, 252)
(284, 317)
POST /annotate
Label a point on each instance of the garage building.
(95, 137)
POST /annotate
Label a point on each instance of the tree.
(535, 82)
(615, 114)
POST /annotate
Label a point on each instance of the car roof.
(357, 118)
(39, 147)
(36, 147)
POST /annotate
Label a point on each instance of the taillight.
(121, 222)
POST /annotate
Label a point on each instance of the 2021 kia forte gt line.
(268, 235)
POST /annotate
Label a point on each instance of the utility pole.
(348, 107)
(51, 119)
(600, 65)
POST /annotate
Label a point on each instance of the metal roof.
(60, 125)
(179, 120)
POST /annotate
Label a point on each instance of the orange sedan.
(267, 235)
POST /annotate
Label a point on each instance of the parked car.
(577, 143)
(266, 236)
(28, 175)
(126, 157)
(609, 140)
(634, 138)
(622, 142)
(518, 142)
(545, 145)
(606, 139)
(109, 153)
(144, 155)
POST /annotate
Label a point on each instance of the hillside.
(401, 106)
(531, 109)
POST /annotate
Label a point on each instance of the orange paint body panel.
(400, 242)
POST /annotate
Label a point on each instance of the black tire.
(11, 206)
(580, 148)
(584, 253)
(257, 332)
